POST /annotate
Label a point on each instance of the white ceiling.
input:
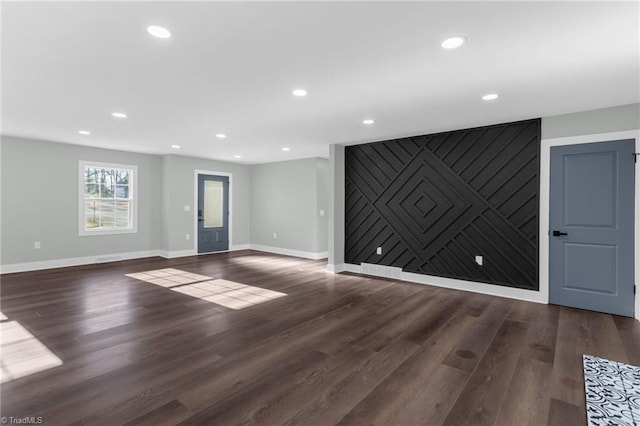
(230, 68)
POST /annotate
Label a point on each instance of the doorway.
(591, 226)
(213, 213)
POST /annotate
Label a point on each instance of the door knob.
(558, 233)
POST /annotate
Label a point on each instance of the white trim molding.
(545, 168)
(289, 252)
(76, 261)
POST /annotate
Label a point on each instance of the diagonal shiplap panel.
(434, 202)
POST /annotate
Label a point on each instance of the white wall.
(286, 199)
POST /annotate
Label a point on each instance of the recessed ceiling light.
(119, 115)
(159, 32)
(490, 97)
(286, 148)
(453, 42)
(299, 92)
(84, 132)
(238, 156)
(175, 146)
(368, 121)
(221, 136)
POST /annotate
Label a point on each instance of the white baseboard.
(76, 261)
(289, 252)
(177, 253)
(476, 287)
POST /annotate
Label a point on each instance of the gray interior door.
(213, 213)
(592, 226)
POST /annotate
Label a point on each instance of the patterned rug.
(612, 392)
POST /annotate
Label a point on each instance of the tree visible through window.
(107, 198)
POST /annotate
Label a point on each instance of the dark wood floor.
(338, 349)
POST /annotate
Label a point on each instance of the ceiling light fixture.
(221, 136)
(159, 32)
(119, 115)
(453, 42)
(84, 132)
(299, 92)
(490, 97)
(368, 121)
(286, 148)
(175, 146)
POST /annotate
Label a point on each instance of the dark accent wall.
(434, 202)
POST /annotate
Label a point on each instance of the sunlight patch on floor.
(228, 293)
(168, 277)
(22, 353)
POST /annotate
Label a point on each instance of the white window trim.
(134, 198)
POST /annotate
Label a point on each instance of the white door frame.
(545, 170)
(195, 206)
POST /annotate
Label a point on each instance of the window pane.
(91, 191)
(107, 212)
(92, 214)
(122, 214)
(108, 177)
(212, 204)
(106, 191)
(122, 177)
(91, 175)
(122, 191)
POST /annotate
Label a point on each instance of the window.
(107, 198)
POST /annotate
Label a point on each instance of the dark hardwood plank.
(481, 399)
(342, 348)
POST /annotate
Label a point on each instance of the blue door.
(213, 213)
(591, 220)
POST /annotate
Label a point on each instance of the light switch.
(321, 212)
(187, 208)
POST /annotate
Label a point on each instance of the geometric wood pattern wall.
(434, 202)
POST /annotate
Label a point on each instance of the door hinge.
(635, 156)
(634, 289)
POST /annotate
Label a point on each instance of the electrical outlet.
(187, 237)
(36, 245)
(321, 212)
(187, 208)
(479, 260)
(275, 236)
(379, 250)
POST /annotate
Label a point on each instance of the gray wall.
(286, 199)
(40, 202)
(615, 119)
(179, 191)
(39, 187)
(336, 205)
(323, 204)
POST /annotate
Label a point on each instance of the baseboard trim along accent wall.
(453, 284)
(288, 252)
(77, 261)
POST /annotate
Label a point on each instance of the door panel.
(213, 213)
(592, 211)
